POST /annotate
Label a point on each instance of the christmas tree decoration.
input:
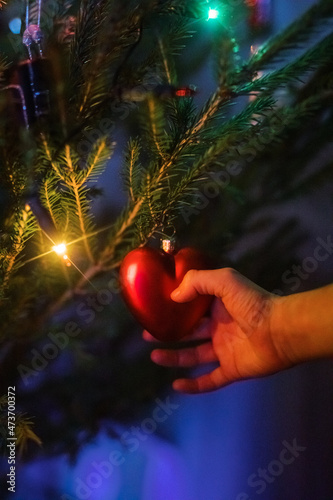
(33, 78)
(148, 276)
(260, 18)
(213, 13)
(60, 249)
(30, 79)
(17, 106)
(65, 29)
(15, 25)
(164, 91)
(33, 35)
(213, 164)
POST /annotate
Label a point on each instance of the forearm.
(303, 324)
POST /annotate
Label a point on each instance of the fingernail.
(154, 356)
(175, 293)
(177, 385)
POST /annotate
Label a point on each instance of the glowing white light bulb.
(60, 249)
(213, 14)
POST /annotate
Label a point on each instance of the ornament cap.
(168, 245)
(33, 34)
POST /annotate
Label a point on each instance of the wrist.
(302, 325)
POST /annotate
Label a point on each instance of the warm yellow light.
(60, 249)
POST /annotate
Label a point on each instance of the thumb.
(197, 283)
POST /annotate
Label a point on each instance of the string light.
(213, 13)
(15, 25)
(60, 249)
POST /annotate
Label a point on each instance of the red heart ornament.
(148, 276)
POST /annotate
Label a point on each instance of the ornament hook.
(32, 33)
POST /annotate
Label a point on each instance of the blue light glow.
(15, 25)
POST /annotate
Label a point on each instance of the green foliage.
(293, 37)
(315, 57)
(132, 171)
(23, 429)
(106, 92)
(176, 143)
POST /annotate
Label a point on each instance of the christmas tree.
(90, 89)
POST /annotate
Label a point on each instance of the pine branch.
(168, 63)
(156, 133)
(3, 65)
(132, 169)
(219, 155)
(46, 155)
(24, 434)
(87, 29)
(126, 222)
(151, 197)
(177, 31)
(292, 37)
(23, 428)
(253, 112)
(181, 115)
(110, 36)
(184, 9)
(227, 60)
(77, 203)
(123, 229)
(96, 162)
(24, 227)
(51, 199)
(319, 55)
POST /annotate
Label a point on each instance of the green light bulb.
(213, 14)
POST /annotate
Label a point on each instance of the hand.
(239, 332)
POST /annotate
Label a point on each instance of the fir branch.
(96, 162)
(184, 9)
(168, 63)
(319, 55)
(87, 28)
(191, 135)
(51, 199)
(209, 111)
(253, 112)
(219, 155)
(177, 31)
(24, 433)
(23, 428)
(113, 32)
(3, 65)
(150, 197)
(227, 60)
(46, 153)
(123, 227)
(298, 32)
(181, 116)
(24, 227)
(132, 168)
(78, 204)
(127, 220)
(156, 133)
